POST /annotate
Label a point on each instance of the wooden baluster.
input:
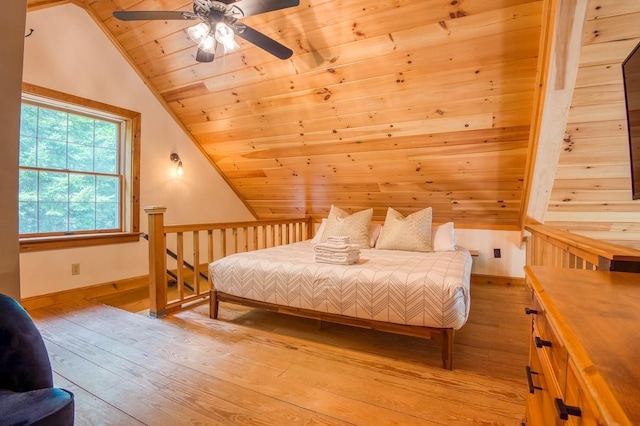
(272, 233)
(180, 264)
(255, 238)
(210, 253)
(196, 262)
(223, 242)
(234, 236)
(157, 262)
(245, 239)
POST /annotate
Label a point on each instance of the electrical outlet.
(496, 253)
(75, 269)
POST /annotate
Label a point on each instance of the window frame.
(130, 164)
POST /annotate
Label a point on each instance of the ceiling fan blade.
(254, 7)
(153, 15)
(203, 56)
(262, 41)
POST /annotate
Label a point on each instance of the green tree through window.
(70, 175)
(79, 171)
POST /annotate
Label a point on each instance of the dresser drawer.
(576, 396)
(545, 338)
(542, 392)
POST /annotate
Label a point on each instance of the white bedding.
(413, 288)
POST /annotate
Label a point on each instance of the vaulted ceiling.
(401, 103)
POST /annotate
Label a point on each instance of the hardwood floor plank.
(258, 367)
(93, 410)
(296, 393)
(174, 377)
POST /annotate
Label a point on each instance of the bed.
(423, 294)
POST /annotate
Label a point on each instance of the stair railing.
(208, 242)
(172, 274)
(551, 246)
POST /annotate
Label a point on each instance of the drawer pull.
(540, 343)
(564, 411)
(532, 387)
(530, 311)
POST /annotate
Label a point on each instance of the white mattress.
(413, 288)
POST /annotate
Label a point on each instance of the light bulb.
(208, 44)
(179, 169)
(198, 32)
(225, 35)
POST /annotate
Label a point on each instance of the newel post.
(157, 262)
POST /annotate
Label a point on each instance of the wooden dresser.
(584, 361)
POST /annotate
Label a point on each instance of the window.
(77, 171)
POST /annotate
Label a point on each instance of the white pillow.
(374, 232)
(355, 226)
(443, 237)
(411, 233)
(318, 235)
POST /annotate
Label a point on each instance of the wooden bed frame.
(444, 335)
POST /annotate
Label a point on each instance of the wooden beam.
(563, 23)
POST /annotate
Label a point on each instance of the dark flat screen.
(631, 72)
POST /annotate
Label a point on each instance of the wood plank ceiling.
(384, 103)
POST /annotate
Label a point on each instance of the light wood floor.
(254, 367)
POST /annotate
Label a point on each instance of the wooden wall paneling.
(610, 53)
(605, 94)
(588, 151)
(409, 42)
(103, 9)
(589, 197)
(160, 48)
(599, 10)
(343, 99)
(131, 33)
(483, 179)
(356, 111)
(578, 171)
(442, 143)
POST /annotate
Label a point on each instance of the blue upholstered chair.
(27, 395)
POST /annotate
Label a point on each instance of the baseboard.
(497, 280)
(90, 292)
(128, 284)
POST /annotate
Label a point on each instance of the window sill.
(28, 245)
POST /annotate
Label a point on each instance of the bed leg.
(447, 348)
(213, 304)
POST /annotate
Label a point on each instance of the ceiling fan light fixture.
(224, 35)
(199, 32)
(218, 24)
(208, 44)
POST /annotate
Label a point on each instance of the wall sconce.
(176, 159)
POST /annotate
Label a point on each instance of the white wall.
(512, 261)
(69, 53)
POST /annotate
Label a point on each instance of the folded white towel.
(337, 240)
(334, 248)
(337, 250)
(337, 256)
(337, 260)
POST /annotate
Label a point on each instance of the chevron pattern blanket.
(411, 288)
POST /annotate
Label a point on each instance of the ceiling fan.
(220, 24)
